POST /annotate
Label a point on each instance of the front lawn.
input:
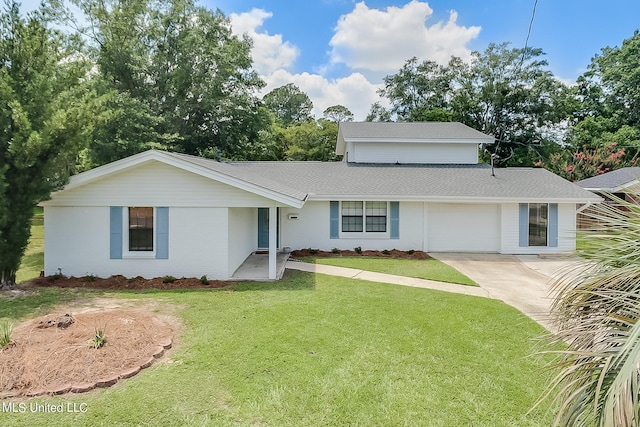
(431, 269)
(316, 350)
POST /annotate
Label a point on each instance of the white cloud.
(380, 41)
(354, 91)
(269, 52)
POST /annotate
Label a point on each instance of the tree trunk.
(7, 280)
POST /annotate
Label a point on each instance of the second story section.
(410, 143)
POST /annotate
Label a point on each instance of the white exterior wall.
(511, 231)
(243, 235)
(434, 153)
(463, 227)
(311, 230)
(77, 242)
(158, 184)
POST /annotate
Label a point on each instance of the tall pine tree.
(42, 122)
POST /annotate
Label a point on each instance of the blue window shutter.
(115, 230)
(162, 233)
(524, 225)
(334, 220)
(553, 225)
(394, 210)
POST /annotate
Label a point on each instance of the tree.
(289, 104)
(597, 314)
(338, 114)
(504, 92)
(314, 140)
(43, 122)
(179, 69)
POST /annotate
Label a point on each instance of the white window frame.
(364, 233)
(126, 253)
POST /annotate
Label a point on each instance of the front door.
(263, 228)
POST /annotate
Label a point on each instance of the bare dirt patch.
(47, 359)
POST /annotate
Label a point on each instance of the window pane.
(376, 213)
(352, 208)
(140, 229)
(538, 223)
(377, 223)
(352, 223)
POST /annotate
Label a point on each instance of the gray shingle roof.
(611, 181)
(323, 180)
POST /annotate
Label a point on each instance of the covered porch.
(256, 267)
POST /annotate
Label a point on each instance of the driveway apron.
(523, 282)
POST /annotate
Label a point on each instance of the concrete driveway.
(522, 281)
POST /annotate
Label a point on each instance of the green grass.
(33, 260)
(431, 269)
(316, 350)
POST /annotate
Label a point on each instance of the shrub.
(335, 250)
(358, 249)
(6, 329)
(411, 251)
(99, 339)
(386, 252)
(313, 251)
(168, 279)
(90, 278)
(204, 280)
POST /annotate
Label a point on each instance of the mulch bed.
(46, 358)
(121, 282)
(140, 283)
(393, 253)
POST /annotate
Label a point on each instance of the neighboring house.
(617, 184)
(402, 185)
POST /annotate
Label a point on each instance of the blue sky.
(328, 45)
(337, 51)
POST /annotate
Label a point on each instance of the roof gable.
(211, 169)
(413, 132)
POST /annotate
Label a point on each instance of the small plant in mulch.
(168, 279)
(6, 329)
(358, 249)
(204, 280)
(99, 339)
(313, 251)
(90, 277)
(335, 251)
(386, 252)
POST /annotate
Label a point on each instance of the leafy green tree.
(504, 92)
(419, 87)
(178, 71)
(609, 100)
(44, 122)
(312, 141)
(289, 104)
(338, 114)
(597, 314)
(378, 113)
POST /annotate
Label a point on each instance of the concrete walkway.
(354, 273)
(523, 282)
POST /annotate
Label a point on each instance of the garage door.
(463, 228)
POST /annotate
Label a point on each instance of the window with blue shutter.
(162, 233)
(115, 229)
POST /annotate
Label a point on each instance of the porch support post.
(272, 242)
